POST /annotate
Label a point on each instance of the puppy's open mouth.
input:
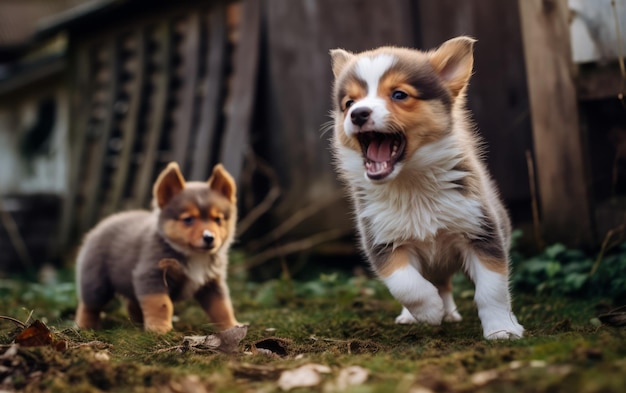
(381, 151)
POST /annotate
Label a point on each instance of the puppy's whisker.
(326, 127)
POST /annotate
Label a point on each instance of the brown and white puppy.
(425, 205)
(152, 258)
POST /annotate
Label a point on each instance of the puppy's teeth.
(385, 165)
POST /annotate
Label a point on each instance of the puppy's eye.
(348, 104)
(189, 220)
(218, 220)
(399, 95)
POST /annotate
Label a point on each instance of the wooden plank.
(188, 74)
(296, 96)
(560, 156)
(128, 127)
(79, 82)
(210, 107)
(157, 115)
(239, 107)
(96, 159)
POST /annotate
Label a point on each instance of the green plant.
(563, 271)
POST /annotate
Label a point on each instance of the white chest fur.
(419, 203)
(199, 269)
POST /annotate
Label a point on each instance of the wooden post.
(562, 175)
(239, 108)
(212, 85)
(183, 115)
(157, 114)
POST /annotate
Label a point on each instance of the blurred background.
(97, 96)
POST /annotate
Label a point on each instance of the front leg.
(157, 312)
(492, 297)
(214, 298)
(156, 305)
(417, 295)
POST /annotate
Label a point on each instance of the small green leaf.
(554, 250)
(575, 281)
(552, 268)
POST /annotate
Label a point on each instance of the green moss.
(335, 321)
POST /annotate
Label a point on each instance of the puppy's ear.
(222, 182)
(339, 59)
(453, 61)
(169, 183)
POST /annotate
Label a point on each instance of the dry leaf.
(61, 345)
(353, 375)
(420, 389)
(226, 341)
(482, 378)
(256, 371)
(189, 383)
(35, 335)
(102, 356)
(303, 376)
(10, 353)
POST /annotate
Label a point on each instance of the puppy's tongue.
(379, 150)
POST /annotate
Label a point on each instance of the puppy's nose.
(360, 115)
(208, 238)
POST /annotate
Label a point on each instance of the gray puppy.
(152, 258)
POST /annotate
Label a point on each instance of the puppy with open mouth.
(424, 202)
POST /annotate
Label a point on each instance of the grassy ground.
(333, 321)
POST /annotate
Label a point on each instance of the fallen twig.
(293, 247)
(605, 246)
(267, 202)
(291, 223)
(535, 207)
(615, 317)
(15, 237)
(15, 321)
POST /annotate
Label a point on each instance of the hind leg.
(449, 306)
(418, 296)
(94, 292)
(86, 317)
(134, 310)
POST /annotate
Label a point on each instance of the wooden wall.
(275, 108)
(149, 89)
(295, 87)
(294, 94)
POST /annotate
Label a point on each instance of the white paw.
(429, 310)
(452, 316)
(405, 317)
(508, 329)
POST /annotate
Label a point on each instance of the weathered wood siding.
(559, 146)
(148, 93)
(295, 88)
(295, 85)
